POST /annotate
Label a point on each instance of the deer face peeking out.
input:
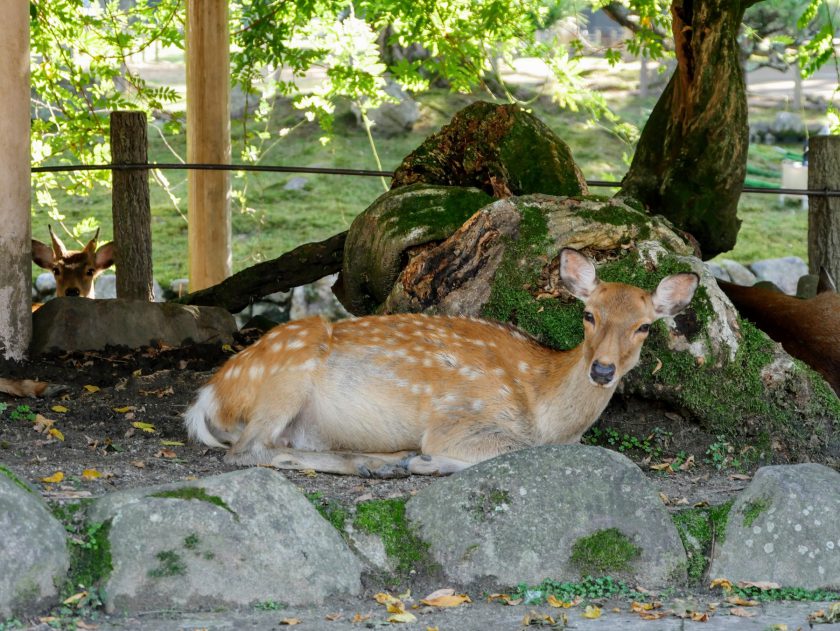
(74, 270)
(391, 395)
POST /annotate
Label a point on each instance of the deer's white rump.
(391, 395)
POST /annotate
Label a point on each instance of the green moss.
(330, 510)
(752, 510)
(438, 211)
(195, 493)
(386, 518)
(604, 551)
(170, 564)
(588, 588)
(699, 528)
(556, 324)
(90, 557)
(191, 541)
(15, 480)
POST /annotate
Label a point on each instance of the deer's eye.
(90, 271)
(56, 271)
(587, 315)
(643, 329)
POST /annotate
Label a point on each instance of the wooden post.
(15, 229)
(824, 212)
(130, 207)
(208, 140)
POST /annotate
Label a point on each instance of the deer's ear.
(42, 254)
(59, 251)
(105, 256)
(674, 293)
(578, 273)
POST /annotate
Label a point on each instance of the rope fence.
(179, 166)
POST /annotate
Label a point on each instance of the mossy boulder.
(500, 149)
(707, 363)
(393, 228)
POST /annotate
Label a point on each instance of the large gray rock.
(738, 273)
(392, 118)
(80, 324)
(783, 528)
(33, 549)
(223, 541)
(517, 517)
(105, 286)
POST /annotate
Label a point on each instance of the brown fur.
(457, 390)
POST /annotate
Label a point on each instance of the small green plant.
(588, 588)
(22, 413)
(171, 564)
(386, 518)
(3, 407)
(720, 454)
(784, 593)
(650, 446)
(269, 605)
(10, 623)
(608, 550)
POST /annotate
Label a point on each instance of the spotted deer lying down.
(391, 395)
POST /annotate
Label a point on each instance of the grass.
(273, 220)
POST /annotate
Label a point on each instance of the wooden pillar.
(15, 228)
(208, 140)
(824, 212)
(131, 208)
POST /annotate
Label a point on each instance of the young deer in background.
(362, 396)
(74, 270)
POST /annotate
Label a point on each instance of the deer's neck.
(568, 403)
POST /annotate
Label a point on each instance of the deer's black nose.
(602, 373)
(72, 291)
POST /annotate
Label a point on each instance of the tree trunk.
(824, 212)
(15, 234)
(691, 158)
(131, 208)
(305, 264)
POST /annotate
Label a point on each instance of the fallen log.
(305, 264)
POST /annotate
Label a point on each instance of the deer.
(74, 270)
(808, 329)
(393, 395)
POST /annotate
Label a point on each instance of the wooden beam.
(208, 140)
(16, 232)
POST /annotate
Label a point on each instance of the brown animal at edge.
(74, 270)
(364, 396)
(808, 329)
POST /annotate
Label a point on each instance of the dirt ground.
(119, 426)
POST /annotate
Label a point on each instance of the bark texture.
(131, 208)
(691, 158)
(824, 212)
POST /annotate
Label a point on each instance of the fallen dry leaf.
(591, 612)
(723, 583)
(445, 598)
(138, 463)
(124, 409)
(739, 476)
(384, 598)
(332, 617)
(822, 616)
(72, 600)
(290, 621)
(91, 388)
(166, 453)
(743, 602)
(662, 466)
(146, 427)
(42, 424)
(402, 617)
(537, 618)
(553, 601)
(56, 433)
(357, 618)
(60, 409)
(55, 478)
(172, 443)
(658, 367)
(91, 474)
(652, 615)
(699, 616)
(742, 613)
(688, 464)
(505, 599)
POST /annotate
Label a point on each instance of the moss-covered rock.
(501, 149)
(383, 237)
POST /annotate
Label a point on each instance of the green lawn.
(274, 220)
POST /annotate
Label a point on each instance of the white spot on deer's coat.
(296, 344)
(255, 371)
(277, 347)
(236, 371)
(524, 367)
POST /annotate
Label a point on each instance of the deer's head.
(74, 270)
